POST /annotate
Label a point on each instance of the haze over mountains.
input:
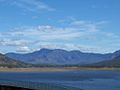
(62, 57)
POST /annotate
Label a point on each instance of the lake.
(86, 80)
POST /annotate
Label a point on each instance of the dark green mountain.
(8, 62)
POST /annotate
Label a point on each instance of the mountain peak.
(118, 51)
(42, 49)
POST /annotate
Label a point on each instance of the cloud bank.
(75, 36)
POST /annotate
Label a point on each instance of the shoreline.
(52, 69)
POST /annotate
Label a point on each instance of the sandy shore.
(51, 69)
(45, 69)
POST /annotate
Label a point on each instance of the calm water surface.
(87, 80)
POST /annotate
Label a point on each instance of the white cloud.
(67, 47)
(46, 33)
(10, 42)
(86, 26)
(68, 37)
(70, 47)
(29, 5)
(77, 29)
(23, 49)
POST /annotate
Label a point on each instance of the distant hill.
(8, 62)
(108, 63)
(61, 57)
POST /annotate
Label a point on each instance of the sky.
(85, 25)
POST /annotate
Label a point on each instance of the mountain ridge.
(60, 57)
(9, 62)
(108, 63)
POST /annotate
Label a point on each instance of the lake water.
(86, 80)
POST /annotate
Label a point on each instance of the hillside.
(8, 62)
(61, 57)
(109, 63)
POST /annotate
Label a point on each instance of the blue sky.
(86, 25)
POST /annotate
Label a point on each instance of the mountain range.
(62, 57)
(8, 62)
(107, 63)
